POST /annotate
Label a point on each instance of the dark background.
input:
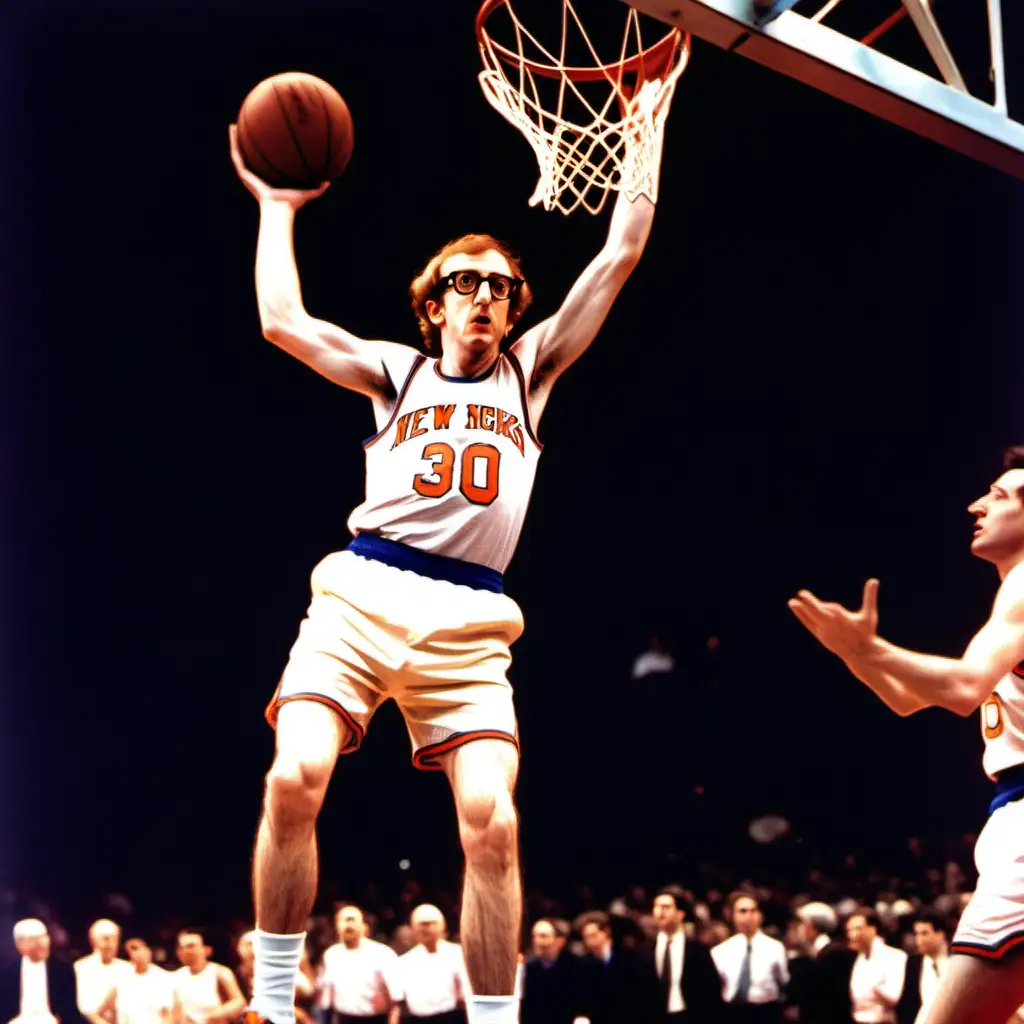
(807, 380)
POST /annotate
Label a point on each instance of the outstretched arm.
(334, 353)
(907, 680)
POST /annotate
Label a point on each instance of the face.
(667, 916)
(999, 526)
(927, 940)
(192, 950)
(105, 941)
(36, 948)
(859, 934)
(547, 943)
(139, 953)
(595, 939)
(746, 915)
(350, 924)
(245, 950)
(428, 927)
(477, 321)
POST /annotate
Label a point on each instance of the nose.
(976, 508)
(480, 292)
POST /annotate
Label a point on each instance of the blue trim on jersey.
(425, 563)
(466, 380)
(1009, 787)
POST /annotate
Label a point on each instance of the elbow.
(971, 694)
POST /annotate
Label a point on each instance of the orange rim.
(654, 62)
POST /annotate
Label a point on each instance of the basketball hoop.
(595, 126)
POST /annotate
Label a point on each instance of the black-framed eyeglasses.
(467, 282)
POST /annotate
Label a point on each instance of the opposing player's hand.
(294, 197)
(846, 633)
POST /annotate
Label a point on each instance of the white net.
(591, 132)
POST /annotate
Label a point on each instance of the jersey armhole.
(417, 363)
(527, 419)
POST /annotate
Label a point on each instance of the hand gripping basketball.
(294, 197)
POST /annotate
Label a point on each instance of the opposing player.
(413, 609)
(984, 983)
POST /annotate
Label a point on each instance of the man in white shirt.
(926, 968)
(359, 974)
(876, 982)
(143, 995)
(35, 989)
(431, 977)
(204, 992)
(753, 966)
(99, 973)
(688, 984)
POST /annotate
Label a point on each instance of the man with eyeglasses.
(414, 609)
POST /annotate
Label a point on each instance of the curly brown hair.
(425, 283)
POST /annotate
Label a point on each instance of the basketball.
(295, 131)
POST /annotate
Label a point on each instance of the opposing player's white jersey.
(452, 470)
(1002, 723)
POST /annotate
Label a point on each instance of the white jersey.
(452, 470)
(1002, 724)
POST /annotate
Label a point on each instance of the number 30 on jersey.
(477, 470)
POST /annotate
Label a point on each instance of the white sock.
(276, 965)
(493, 1009)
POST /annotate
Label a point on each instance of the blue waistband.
(436, 567)
(1009, 787)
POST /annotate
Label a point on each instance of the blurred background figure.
(431, 977)
(553, 976)
(98, 973)
(35, 989)
(617, 982)
(925, 967)
(204, 992)
(686, 976)
(655, 661)
(145, 993)
(359, 973)
(876, 980)
(820, 968)
(753, 967)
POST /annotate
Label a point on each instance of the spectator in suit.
(35, 989)
(687, 979)
(552, 981)
(876, 981)
(820, 974)
(925, 968)
(617, 984)
(753, 967)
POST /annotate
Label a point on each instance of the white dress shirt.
(94, 980)
(676, 951)
(431, 983)
(876, 984)
(35, 995)
(361, 980)
(933, 970)
(144, 998)
(769, 967)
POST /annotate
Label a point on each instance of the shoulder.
(724, 947)
(82, 962)
(771, 943)
(380, 950)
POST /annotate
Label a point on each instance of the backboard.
(800, 44)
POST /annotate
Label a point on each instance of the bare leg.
(483, 778)
(309, 736)
(976, 991)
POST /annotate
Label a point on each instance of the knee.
(489, 828)
(295, 792)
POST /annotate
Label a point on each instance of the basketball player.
(984, 982)
(414, 607)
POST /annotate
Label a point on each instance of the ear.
(435, 312)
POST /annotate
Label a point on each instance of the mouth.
(481, 321)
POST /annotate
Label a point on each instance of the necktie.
(665, 972)
(935, 966)
(743, 985)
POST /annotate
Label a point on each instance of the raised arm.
(554, 345)
(334, 353)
